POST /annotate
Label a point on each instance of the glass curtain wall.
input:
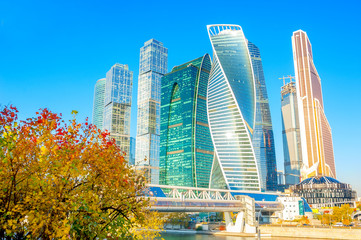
(263, 142)
(118, 100)
(98, 105)
(316, 136)
(153, 65)
(185, 145)
(231, 103)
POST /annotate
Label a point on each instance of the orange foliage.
(67, 180)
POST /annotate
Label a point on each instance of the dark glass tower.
(186, 149)
(262, 140)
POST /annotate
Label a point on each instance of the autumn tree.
(181, 219)
(304, 220)
(326, 219)
(342, 214)
(61, 180)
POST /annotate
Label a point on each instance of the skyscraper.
(118, 100)
(291, 134)
(153, 65)
(186, 148)
(263, 142)
(231, 103)
(132, 151)
(316, 136)
(98, 104)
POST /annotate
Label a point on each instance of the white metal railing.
(193, 193)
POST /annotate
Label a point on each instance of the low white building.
(293, 208)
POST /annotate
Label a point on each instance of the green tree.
(67, 180)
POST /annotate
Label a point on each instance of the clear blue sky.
(52, 53)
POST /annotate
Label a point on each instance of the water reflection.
(180, 236)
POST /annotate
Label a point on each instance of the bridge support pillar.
(238, 226)
(246, 220)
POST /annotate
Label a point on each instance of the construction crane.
(288, 77)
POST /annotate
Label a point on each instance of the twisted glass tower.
(231, 107)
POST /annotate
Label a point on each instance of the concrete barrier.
(312, 232)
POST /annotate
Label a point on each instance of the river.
(180, 236)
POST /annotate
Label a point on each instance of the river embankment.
(280, 232)
(311, 232)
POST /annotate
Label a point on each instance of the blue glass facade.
(153, 65)
(263, 142)
(186, 149)
(132, 151)
(118, 100)
(231, 103)
(98, 105)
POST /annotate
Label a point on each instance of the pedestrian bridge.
(188, 199)
(356, 215)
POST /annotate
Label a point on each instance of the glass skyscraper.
(152, 66)
(263, 142)
(231, 103)
(315, 131)
(118, 100)
(186, 148)
(132, 151)
(98, 104)
(291, 134)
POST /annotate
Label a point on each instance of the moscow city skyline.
(52, 60)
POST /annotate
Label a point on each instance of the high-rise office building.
(280, 177)
(118, 100)
(98, 104)
(291, 134)
(132, 151)
(262, 140)
(152, 66)
(186, 148)
(231, 103)
(315, 131)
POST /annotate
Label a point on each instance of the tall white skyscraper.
(98, 104)
(291, 134)
(118, 101)
(153, 65)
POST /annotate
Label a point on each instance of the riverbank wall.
(310, 232)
